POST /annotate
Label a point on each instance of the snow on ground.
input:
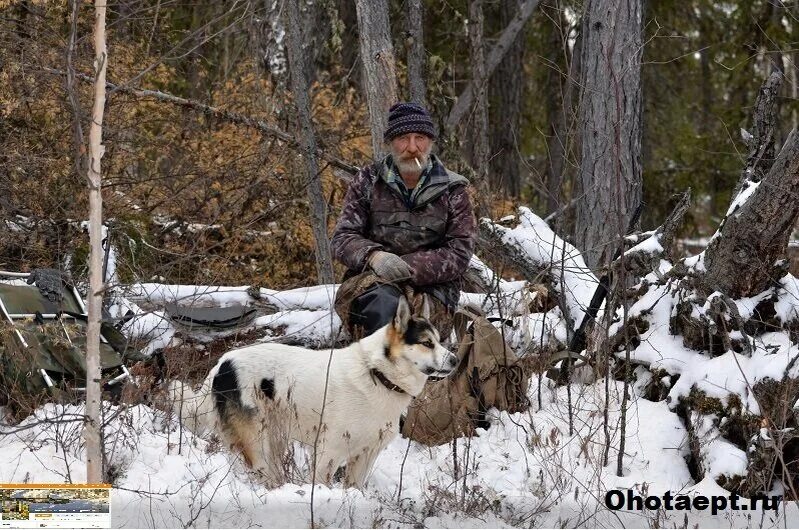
(526, 470)
(723, 375)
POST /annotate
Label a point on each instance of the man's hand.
(389, 266)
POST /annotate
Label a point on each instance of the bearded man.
(406, 227)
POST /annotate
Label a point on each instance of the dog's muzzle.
(449, 366)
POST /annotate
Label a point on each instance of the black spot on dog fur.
(418, 331)
(225, 387)
(268, 388)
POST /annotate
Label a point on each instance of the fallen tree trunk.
(542, 257)
(748, 254)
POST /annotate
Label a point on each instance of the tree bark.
(610, 118)
(465, 100)
(764, 130)
(316, 197)
(349, 42)
(92, 426)
(379, 78)
(748, 252)
(479, 126)
(414, 40)
(507, 87)
(316, 31)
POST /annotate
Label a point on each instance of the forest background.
(172, 171)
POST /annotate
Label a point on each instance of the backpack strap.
(461, 320)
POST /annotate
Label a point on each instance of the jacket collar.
(434, 180)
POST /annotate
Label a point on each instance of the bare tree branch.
(465, 100)
(220, 114)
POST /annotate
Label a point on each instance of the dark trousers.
(374, 308)
(366, 304)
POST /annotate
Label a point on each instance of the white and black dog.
(261, 397)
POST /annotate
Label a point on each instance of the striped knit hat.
(404, 118)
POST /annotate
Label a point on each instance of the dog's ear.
(425, 307)
(402, 316)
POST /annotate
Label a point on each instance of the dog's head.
(413, 340)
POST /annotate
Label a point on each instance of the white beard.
(410, 166)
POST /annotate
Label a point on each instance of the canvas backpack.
(489, 376)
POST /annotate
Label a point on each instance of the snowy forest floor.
(525, 471)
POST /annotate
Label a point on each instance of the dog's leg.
(326, 465)
(247, 435)
(359, 466)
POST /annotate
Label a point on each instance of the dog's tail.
(195, 408)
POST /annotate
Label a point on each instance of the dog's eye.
(428, 344)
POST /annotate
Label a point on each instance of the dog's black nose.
(452, 361)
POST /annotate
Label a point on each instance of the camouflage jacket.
(432, 228)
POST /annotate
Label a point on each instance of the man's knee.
(375, 308)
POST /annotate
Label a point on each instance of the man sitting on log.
(406, 226)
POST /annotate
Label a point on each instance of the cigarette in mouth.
(418, 163)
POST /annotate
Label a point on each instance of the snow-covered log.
(306, 315)
(538, 253)
(717, 335)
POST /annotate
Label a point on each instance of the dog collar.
(380, 376)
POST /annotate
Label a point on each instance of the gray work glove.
(389, 266)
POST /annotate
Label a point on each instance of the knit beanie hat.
(404, 118)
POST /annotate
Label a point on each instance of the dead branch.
(642, 259)
(761, 143)
(752, 243)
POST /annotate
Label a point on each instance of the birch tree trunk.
(414, 33)
(610, 122)
(379, 79)
(267, 29)
(92, 425)
(299, 87)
